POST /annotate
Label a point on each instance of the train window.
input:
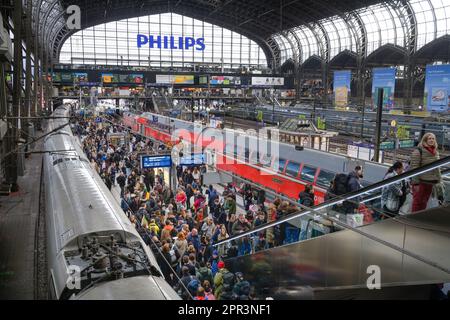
(281, 163)
(57, 161)
(324, 178)
(266, 160)
(292, 169)
(308, 174)
(253, 159)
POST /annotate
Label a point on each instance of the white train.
(93, 251)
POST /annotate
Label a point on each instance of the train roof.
(81, 203)
(135, 288)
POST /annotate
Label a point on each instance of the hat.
(221, 265)
(215, 253)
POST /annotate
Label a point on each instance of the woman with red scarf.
(422, 185)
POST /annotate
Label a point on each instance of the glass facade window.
(383, 24)
(115, 43)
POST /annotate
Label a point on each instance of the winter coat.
(419, 159)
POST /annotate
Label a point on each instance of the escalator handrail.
(352, 195)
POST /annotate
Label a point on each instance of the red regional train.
(286, 172)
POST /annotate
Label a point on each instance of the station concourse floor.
(18, 215)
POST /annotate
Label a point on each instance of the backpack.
(242, 288)
(228, 281)
(340, 185)
(204, 275)
(193, 286)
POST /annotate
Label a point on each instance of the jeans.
(244, 248)
(292, 235)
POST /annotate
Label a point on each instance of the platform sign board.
(193, 159)
(406, 143)
(437, 88)
(341, 88)
(361, 150)
(160, 161)
(384, 78)
(387, 145)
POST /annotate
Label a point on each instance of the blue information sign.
(148, 162)
(193, 159)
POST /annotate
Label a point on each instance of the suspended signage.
(66, 77)
(225, 80)
(341, 89)
(170, 42)
(80, 77)
(110, 78)
(131, 78)
(437, 88)
(384, 78)
(406, 143)
(56, 77)
(193, 159)
(149, 162)
(267, 81)
(174, 79)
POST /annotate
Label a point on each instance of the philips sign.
(172, 42)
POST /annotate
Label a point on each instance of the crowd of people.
(182, 226)
(179, 226)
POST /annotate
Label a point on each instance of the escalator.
(407, 256)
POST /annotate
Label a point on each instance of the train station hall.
(241, 151)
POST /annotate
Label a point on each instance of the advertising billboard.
(341, 89)
(66, 77)
(131, 78)
(80, 77)
(437, 88)
(225, 80)
(174, 79)
(384, 78)
(110, 78)
(267, 81)
(56, 77)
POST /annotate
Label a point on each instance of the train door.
(142, 130)
(211, 159)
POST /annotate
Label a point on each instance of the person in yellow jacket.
(153, 227)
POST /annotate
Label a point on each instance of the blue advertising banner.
(437, 88)
(341, 88)
(149, 162)
(384, 78)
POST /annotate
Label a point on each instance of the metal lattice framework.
(257, 20)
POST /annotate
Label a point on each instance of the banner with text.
(342, 80)
(267, 81)
(384, 78)
(437, 88)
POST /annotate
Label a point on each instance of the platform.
(18, 215)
